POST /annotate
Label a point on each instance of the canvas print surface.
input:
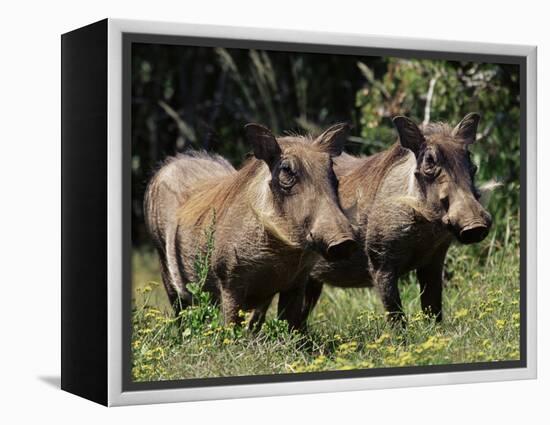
(302, 212)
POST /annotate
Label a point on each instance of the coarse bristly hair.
(376, 167)
(249, 185)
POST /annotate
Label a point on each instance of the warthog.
(270, 220)
(409, 203)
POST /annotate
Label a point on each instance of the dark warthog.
(409, 202)
(270, 219)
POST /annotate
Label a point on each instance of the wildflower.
(500, 323)
(405, 358)
(383, 338)
(461, 313)
(345, 367)
(347, 347)
(319, 360)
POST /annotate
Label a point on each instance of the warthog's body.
(409, 203)
(267, 231)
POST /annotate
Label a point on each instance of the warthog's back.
(172, 184)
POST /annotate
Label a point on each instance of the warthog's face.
(446, 173)
(304, 188)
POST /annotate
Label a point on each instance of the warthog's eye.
(287, 176)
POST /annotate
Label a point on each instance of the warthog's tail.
(166, 192)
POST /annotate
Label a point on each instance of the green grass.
(348, 329)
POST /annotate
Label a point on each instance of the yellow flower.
(500, 323)
(345, 367)
(383, 338)
(429, 343)
(461, 313)
(405, 358)
(347, 347)
(320, 359)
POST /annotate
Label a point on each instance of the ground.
(347, 330)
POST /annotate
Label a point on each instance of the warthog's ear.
(467, 128)
(333, 139)
(410, 135)
(263, 143)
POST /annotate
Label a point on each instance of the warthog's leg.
(313, 291)
(291, 304)
(231, 304)
(386, 284)
(431, 286)
(258, 316)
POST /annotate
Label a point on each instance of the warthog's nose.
(340, 250)
(473, 233)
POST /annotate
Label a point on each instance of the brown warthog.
(270, 220)
(409, 203)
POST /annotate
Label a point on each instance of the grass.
(348, 329)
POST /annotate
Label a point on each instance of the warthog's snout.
(340, 250)
(468, 220)
(474, 232)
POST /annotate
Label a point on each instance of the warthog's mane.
(437, 128)
(247, 186)
(218, 193)
(366, 179)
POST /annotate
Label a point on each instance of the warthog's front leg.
(313, 291)
(290, 307)
(386, 284)
(258, 316)
(231, 303)
(430, 278)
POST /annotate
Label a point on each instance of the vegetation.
(348, 329)
(200, 97)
